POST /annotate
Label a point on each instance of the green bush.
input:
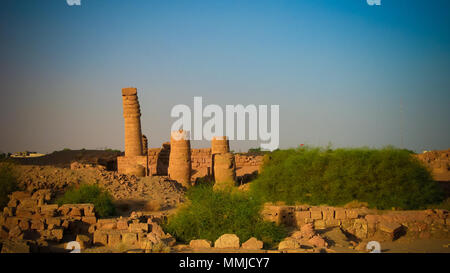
(8, 182)
(101, 199)
(211, 214)
(384, 178)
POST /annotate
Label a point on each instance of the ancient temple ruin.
(176, 159)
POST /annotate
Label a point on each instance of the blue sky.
(343, 72)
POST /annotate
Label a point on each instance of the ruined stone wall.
(32, 223)
(158, 162)
(201, 162)
(438, 162)
(243, 160)
(125, 163)
(360, 222)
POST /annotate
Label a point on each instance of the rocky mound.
(130, 191)
(438, 162)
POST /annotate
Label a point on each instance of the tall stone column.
(180, 158)
(220, 145)
(132, 116)
(224, 171)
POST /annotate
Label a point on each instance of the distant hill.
(107, 158)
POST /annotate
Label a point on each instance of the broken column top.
(179, 135)
(129, 91)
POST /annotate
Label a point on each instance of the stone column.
(224, 171)
(180, 158)
(144, 145)
(220, 145)
(132, 116)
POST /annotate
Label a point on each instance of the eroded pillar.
(224, 171)
(132, 116)
(180, 158)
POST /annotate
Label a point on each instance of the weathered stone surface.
(15, 246)
(84, 241)
(138, 227)
(220, 145)
(252, 243)
(201, 243)
(301, 215)
(224, 171)
(307, 231)
(180, 158)
(316, 215)
(48, 210)
(359, 228)
(58, 233)
(15, 232)
(288, 244)
(89, 219)
(340, 214)
(227, 241)
(122, 225)
(389, 227)
(100, 237)
(114, 238)
(129, 238)
(352, 213)
(328, 214)
(317, 241)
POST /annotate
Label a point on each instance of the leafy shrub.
(211, 214)
(384, 178)
(8, 182)
(101, 199)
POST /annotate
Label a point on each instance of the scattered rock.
(200, 244)
(227, 241)
(253, 243)
(288, 243)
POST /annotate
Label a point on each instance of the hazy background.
(342, 71)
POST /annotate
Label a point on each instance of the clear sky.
(342, 71)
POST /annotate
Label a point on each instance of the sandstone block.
(100, 237)
(351, 213)
(89, 219)
(340, 214)
(317, 241)
(200, 244)
(301, 215)
(227, 241)
(129, 238)
(114, 238)
(288, 244)
(319, 224)
(316, 215)
(328, 214)
(84, 241)
(58, 233)
(138, 227)
(252, 243)
(122, 225)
